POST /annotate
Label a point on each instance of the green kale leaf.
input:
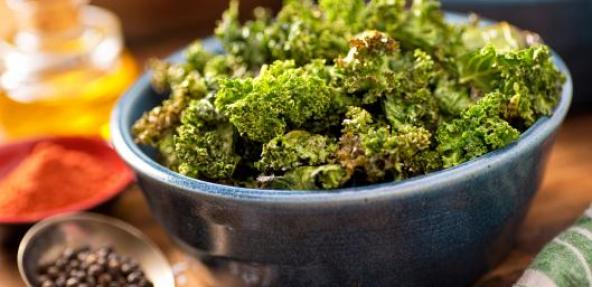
(296, 148)
(282, 97)
(378, 151)
(527, 77)
(328, 176)
(204, 143)
(159, 121)
(479, 129)
(366, 69)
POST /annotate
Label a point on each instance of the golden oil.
(62, 69)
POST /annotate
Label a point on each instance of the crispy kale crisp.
(327, 94)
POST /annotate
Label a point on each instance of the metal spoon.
(45, 241)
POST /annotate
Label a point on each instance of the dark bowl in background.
(566, 25)
(442, 229)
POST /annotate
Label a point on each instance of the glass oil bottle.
(61, 69)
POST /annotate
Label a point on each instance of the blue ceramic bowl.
(441, 229)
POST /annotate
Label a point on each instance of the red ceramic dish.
(12, 154)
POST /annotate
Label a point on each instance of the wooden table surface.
(565, 193)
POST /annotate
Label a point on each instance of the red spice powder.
(51, 177)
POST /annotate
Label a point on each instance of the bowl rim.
(143, 164)
(127, 177)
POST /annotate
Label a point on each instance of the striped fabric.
(565, 261)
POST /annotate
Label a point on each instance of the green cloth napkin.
(566, 261)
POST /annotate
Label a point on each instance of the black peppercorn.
(84, 267)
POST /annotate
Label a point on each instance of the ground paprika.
(51, 178)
